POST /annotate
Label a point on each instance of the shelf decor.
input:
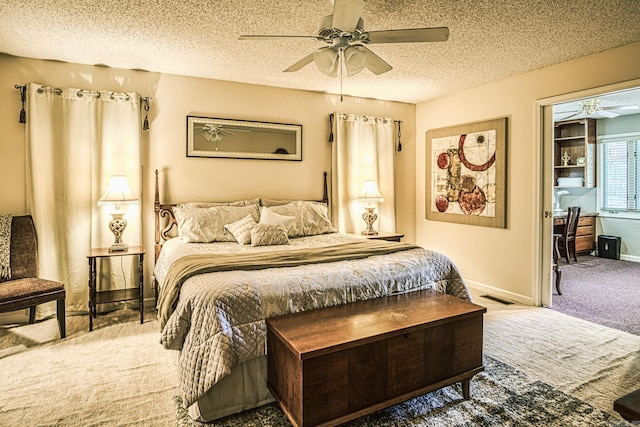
(243, 139)
(574, 153)
(466, 173)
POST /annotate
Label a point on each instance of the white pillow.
(241, 229)
(269, 217)
(268, 235)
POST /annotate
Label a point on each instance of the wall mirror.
(243, 139)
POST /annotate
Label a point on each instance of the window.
(619, 174)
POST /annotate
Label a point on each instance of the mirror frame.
(288, 131)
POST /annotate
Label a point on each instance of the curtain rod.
(145, 100)
(343, 116)
(80, 93)
(365, 118)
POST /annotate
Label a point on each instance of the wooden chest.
(332, 365)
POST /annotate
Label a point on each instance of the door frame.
(543, 228)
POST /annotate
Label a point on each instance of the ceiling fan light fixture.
(326, 59)
(355, 59)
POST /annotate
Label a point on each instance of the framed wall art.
(466, 173)
(243, 139)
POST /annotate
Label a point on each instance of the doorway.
(546, 126)
(598, 104)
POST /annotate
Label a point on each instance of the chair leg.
(62, 325)
(558, 273)
(573, 247)
(566, 251)
(32, 314)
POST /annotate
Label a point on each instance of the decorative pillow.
(311, 218)
(267, 235)
(316, 218)
(241, 229)
(205, 225)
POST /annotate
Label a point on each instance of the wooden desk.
(585, 234)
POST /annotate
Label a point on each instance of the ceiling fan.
(347, 41)
(592, 108)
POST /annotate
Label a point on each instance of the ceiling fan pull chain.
(341, 59)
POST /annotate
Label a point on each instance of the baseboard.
(631, 258)
(509, 296)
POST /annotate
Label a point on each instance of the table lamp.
(118, 194)
(368, 197)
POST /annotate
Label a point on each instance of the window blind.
(619, 174)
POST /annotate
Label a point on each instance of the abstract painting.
(466, 173)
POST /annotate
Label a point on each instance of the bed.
(222, 268)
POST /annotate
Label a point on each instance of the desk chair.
(567, 240)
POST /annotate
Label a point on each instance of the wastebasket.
(609, 246)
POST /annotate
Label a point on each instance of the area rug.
(500, 396)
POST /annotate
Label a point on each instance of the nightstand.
(102, 297)
(382, 235)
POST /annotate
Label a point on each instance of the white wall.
(505, 261)
(164, 145)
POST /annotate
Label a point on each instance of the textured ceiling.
(489, 39)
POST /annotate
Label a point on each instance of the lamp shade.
(370, 193)
(118, 192)
(326, 59)
(354, 60)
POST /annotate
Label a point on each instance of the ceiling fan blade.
(298, 65)
(568, 117)
(623, 107)
(608, 114)
(437, 34)
(271, 37)
(375, 64)
(346, 14)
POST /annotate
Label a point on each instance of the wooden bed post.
(325, 192)
(156, 209)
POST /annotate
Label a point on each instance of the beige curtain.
(363, 149)
(75, 141)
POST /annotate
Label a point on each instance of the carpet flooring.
(601, 290)
(500, 396)
(119, 374)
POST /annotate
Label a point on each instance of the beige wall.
(164, 146)
(506, 261)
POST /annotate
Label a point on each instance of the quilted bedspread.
(218, 320)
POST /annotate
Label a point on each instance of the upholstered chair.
(24, 289)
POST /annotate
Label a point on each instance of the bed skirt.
(245, 388)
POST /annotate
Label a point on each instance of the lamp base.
(369, 217)
(117, 226)
(118, 247)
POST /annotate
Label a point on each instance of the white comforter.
(218, 321)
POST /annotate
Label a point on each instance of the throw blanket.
(219, 319)
(191, 265)
(5, 245)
